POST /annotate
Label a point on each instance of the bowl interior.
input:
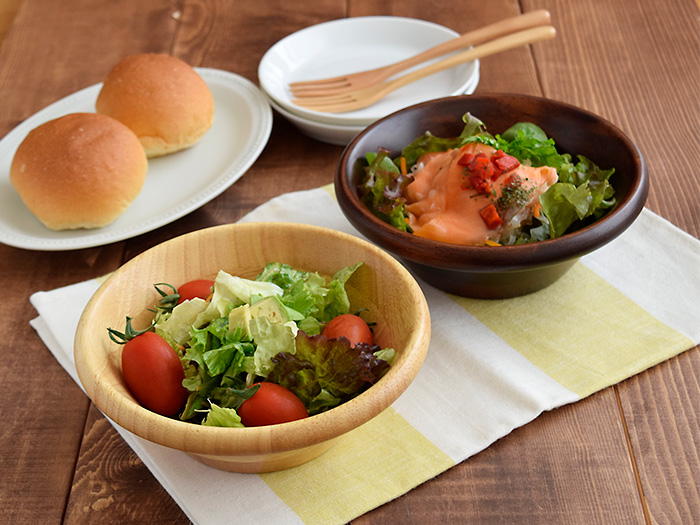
(574, 131)
(382, 285)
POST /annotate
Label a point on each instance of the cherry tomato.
(199, 288)
(350, 326)
(154, 374)
(270, 405)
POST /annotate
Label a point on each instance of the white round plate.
(328, 133)
(355, 44)
(175, 185)
(336, 134)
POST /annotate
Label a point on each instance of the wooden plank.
(234, 37)
(636, 87)
(112, 485)
(78, 62)
(8, 10)
(510, 72)
(45, 413)
(662, 412)
(46, 410)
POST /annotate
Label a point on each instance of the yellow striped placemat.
(492, 366)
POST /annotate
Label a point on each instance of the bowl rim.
(265, 440)
(452, 256)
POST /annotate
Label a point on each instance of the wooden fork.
(362, 79)
(366, 97)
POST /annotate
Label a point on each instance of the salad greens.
(582, 194)
(268, 329)
(324, 373)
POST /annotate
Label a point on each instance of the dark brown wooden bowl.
(506, 271)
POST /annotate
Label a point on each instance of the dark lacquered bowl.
(504, 271)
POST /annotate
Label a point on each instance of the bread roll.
(161, 99)
(79, 171)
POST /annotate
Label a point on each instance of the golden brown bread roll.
(161, 99)
(79, 171)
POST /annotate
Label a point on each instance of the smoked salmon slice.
(443, 207)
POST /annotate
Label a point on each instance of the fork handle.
(521, 38)
(472, 38)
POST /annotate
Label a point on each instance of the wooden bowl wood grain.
(382, 285)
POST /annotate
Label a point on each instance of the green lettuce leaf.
(231, 291)
(222, 417)
(382, 188)
(429, 143)
(175, 326)
(329, 368)
(271, 338)
(309, 295)
(215, 356)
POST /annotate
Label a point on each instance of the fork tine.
(325, 99)
(320, 90)
(321, 82)
(322, 106)
(330, 107)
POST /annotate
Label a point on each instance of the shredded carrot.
(403, 165)
(536, 209)
(489, 242)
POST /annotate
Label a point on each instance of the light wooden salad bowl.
(382, 285)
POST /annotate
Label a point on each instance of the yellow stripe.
(380, 454)
(330, 189)
(103, 278)
(581, 331)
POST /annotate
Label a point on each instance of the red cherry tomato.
(154, 374)
(270, 405)
(199, 288)
(350, 326)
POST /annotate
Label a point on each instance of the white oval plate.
(175, 185)
(355, 44)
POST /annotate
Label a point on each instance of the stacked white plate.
(347, 45)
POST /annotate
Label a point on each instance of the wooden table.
(628, 454)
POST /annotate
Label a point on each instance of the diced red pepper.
(490, 216)
(504, 162)
(480, 184)
(478, 170)
(481, 164)
(465, 159)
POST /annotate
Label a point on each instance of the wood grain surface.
(628, 454)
